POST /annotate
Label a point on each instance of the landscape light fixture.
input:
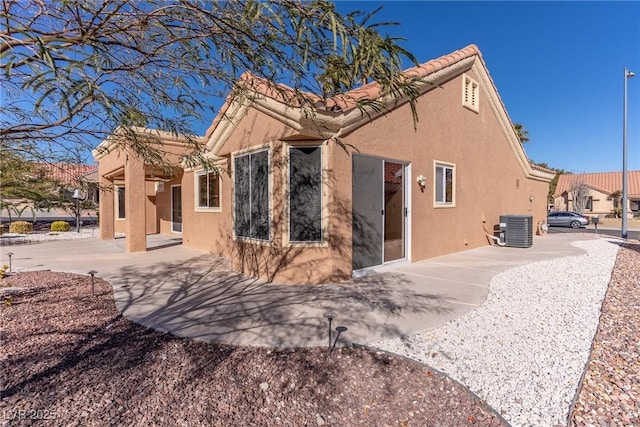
(329, 315)
(92, 273)
(627, 74)
(9, 254)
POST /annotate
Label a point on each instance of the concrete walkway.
(192, 294)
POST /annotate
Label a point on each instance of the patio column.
(107, 209)
(135, 201)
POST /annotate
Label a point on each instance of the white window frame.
(470, 93)
(269, 192)
(444, 165)
(196, 184)
(323, 232)
(116, 199)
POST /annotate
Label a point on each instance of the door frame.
(406, 191)
(172, 211)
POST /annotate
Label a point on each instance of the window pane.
(305, 194)
(242, 199)
(260, 195)
(214, 190)
(439, 184)
(121, 206)
(202, 191)
(449, 185)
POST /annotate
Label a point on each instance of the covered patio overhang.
(128, 188)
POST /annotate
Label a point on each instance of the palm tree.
(523, 134)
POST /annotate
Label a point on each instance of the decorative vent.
(470, 93)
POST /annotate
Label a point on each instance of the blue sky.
(558, 67)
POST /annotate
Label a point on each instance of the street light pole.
(77, 195)
(627, 74)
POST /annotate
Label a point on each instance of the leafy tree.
(25, 186)
(617, 203)
(73, 71)
(523, 134)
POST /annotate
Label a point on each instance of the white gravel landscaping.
(8, 239)
(524, 349)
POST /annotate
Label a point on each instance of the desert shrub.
(60, 226)
(1, 229)
(20, 227)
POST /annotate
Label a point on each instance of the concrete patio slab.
(192, 294)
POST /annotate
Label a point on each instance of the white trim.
(196, 187)
(323, 242)
(172, 221)
(444, 165)
(244, 152)
(117, 216)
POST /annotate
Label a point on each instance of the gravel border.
(610, 388)
(525, 348)
(71, 359)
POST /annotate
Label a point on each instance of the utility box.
(517, 229)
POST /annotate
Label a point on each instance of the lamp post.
(627, 74)
(76, 195)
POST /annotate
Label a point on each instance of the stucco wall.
(489, 182)
(277, 260)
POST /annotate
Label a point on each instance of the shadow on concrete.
(203, 299)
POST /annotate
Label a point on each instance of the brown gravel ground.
(70, 359)
(610, 393)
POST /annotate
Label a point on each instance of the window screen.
(251, 184)
(305, 194)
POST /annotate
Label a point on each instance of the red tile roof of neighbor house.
(605, 182)
(66, 173)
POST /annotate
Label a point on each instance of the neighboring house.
(601, 195)
(292, 205)
(69, 176)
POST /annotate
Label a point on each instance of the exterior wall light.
(422, 181)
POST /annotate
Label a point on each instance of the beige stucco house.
(601, 191)
(307, 200)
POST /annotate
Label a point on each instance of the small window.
(589, 205)
(208, 189)
(470, 93)
(251, 188)
(444, 185)
(305, 194)
(120, 202)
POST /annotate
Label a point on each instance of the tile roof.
(66, 173)
(345, 101)
(606, 182)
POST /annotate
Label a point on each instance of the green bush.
(60, 226)
(20, 227)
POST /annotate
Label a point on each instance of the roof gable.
(340, 115)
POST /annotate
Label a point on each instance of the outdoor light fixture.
(9, 254)
(422, 181)
(339, 329)
(329, 315)
(92, 273)
(627, 74)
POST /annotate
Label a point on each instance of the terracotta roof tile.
(68, 174)
(606, 182)
(345, 101)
